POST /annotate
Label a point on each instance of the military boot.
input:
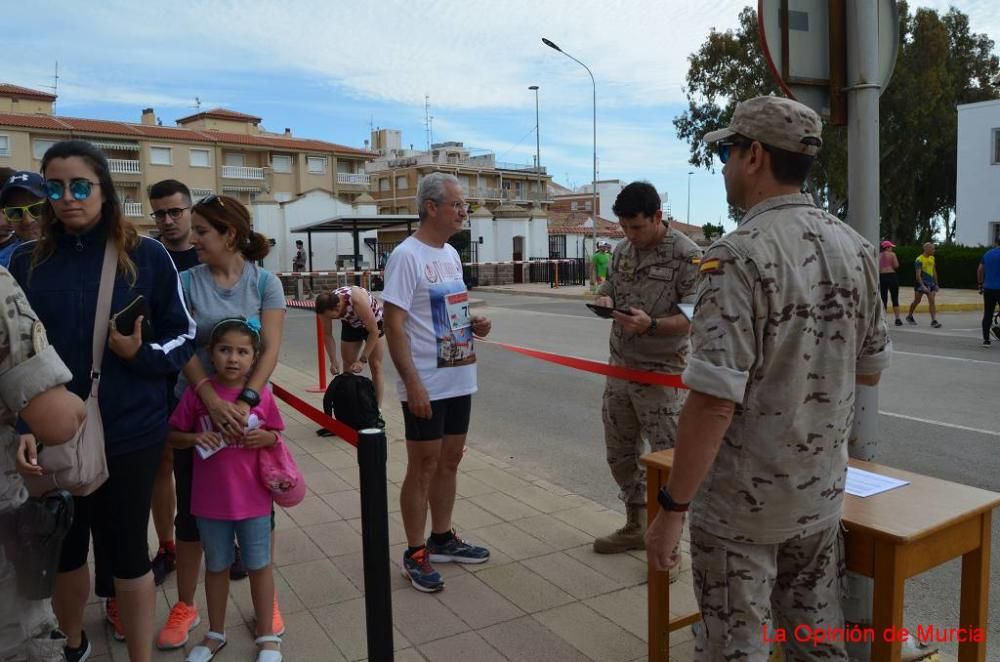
(629, 536)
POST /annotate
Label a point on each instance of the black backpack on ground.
(351, 400)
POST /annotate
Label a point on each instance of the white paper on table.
(861, 483)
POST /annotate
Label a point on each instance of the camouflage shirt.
(654, 281)
(787, 314)
(28, 366)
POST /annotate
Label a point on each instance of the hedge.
(956, 265)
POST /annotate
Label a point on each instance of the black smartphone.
(124, 319)
(605, 311)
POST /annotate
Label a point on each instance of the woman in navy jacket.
(60, 273)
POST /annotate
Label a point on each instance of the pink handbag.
(281, 476)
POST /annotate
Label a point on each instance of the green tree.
(712, 230)
(941, 64)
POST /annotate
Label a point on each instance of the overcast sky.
(329, 70)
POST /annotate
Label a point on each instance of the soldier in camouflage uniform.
(651, 272)
(31, 374)
(788, 320)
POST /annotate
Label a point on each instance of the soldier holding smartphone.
(651, 272)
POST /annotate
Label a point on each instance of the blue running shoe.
(458, 551)
(418, 569)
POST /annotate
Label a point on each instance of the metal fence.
(564, 272)
(469, 256)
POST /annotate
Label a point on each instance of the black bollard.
(372, 457)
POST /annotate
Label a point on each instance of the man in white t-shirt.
(430, 330)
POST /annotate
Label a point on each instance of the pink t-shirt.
(226, 485)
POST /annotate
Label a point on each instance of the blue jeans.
(254, 536)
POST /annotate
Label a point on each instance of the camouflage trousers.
(633, 413)
(25, 625)
(794, 587)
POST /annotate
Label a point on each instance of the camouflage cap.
(775, 121)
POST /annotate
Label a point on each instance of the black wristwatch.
(249, 396)
(667, 503)
(652, 326)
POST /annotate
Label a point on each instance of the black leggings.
(889, 284)
(117, 515)
(991, 298)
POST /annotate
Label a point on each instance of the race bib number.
(458, 310)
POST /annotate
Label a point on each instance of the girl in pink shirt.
(228, 497)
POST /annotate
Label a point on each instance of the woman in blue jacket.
(60, 273)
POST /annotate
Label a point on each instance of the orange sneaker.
(277, 622)
(114, 618)
(181, 620)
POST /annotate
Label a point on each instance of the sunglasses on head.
(32, 211)
(79, 188)
(174, 213)
(210, 200)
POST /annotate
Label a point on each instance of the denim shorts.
(254, 536)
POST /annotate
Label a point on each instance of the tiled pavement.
(544, 595)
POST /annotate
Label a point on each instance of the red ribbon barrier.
(614, 371)
(348, 434)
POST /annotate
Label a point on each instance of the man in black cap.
(22, 200)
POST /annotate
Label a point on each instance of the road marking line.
(933, 333)
(955, 426)
(946, 358)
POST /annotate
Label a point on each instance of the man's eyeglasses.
(17, 214)
(210, 200)
(174, 213)
(460, 205)
(79, 188)
(725, 148)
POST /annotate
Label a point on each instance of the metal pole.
(538, 148)
(309, 257)
(593, 274)
(863, 215)
(320, 357)
(372, 458)
(689, 197)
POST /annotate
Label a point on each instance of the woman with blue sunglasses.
(60, 274)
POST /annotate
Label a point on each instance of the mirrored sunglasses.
(79, 188)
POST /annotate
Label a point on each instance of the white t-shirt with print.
(427, 283)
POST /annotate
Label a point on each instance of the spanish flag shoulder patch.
(695, 260)
(711, 264)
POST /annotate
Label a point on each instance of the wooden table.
(890, 537)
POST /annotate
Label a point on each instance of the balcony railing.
(133, 209)
(506, 194)
(352, 178)
(520, 167)
(124, 167)
(242, 172)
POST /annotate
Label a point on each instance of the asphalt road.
(938, 413)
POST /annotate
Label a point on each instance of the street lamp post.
(690, 172)
(538, 148)
(552, 45)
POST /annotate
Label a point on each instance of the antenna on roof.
(427, 121)
(197, 103)
(54, 87)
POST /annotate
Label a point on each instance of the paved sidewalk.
(544, 595)
(948, 300)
